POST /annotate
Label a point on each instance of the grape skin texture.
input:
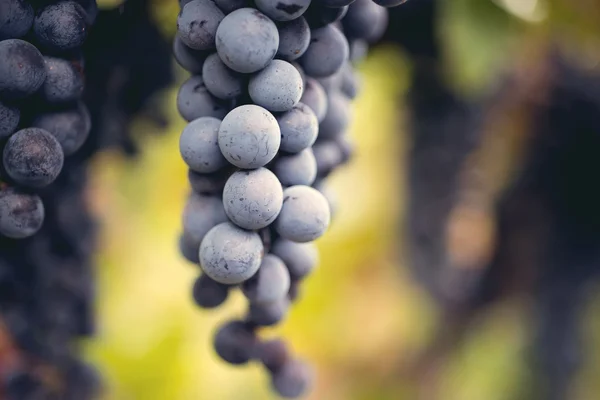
(305, 214)
(33, 157)
(197, 24)
(22, 69)
(195, 101)
(296, 169)
(292, 379)
(208, 293)
(326, 53)
(61, 26)
(235, 343)
(299, 128)
(268, 314)
(200, 215)
(229, 254)
(249, 137)
(282, 10)
(294, 38)
(16, 17)
(63, 82)
(198, 145)
(9, 119)
(71, 127)
(300, 258)
(21, 214)
(278, 87)
(189, 59)
(247, 40)
(270, 283)
(220, 80)
(253, 199)
(314, 96)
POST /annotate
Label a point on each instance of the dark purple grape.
(294, 38)
(22, 69)
(21, 214)
(208, 293)
(61, 26)
(197, 24)
(64, 81)
(33, 157)
(189, 59)
(235, 342)
(268, 314)
(16, 17)
(293, 379)
(71, 127)
(319, 15)
(327, 52)
(273, 354)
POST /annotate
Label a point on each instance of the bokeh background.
(362, 316)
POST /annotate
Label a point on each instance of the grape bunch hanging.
(268, 106)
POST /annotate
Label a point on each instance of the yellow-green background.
(360, 316)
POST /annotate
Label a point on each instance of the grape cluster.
(43, 119)
(268, 106)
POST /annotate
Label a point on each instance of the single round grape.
(197, 24)
(253, 199)
(198, 145)
(273, 354)
(64, 82)
(278, 87)
(305, 214)
(21, 214)
(247, 40)
(249, 137)
(209, 183)
(338, 116)
(268, 314)
(315, 98)
(33, 157)
(327, 52)
(282, 10)
(220, 80)
(270, 283)
(365, 20)
(191, 60)
(328, 156)
(300, 258)
(200, 215)
(228, 6)
(235, 342)
(16, 17)
(293, 379)
(61, 26)
(195, 101)
(189, 248)
(22, 69)
(294, 38)
(296, 169)
(389, 3)
(299, 128)
(208, 293)
(9, 119)
(319, 15)
(229, 254)
(71, 127)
